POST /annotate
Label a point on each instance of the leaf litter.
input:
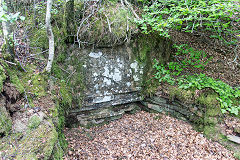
(143, 136)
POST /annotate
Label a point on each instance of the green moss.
(16, 82)
(237, 155)
(210, 120)
(48, 149)
(210, 131)
(31, 156)
(39, 85)
(185, 96)
(146, 48)
(5, 120)
(58, 114)
(208, 99)
(53, 112)
(2, 77)
(27, 81)
(58, 73)
(65, 94)
(14, 78)
(39, 38)
(38, 141)
(35, 83)
(34, 122)
(58, 152)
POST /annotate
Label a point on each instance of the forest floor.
(143, 136)
(222, 66)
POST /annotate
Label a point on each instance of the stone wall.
(112, 78)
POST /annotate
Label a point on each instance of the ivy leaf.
(234, 110)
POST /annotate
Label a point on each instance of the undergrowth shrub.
(216, 16)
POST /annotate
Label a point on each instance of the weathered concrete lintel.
(118, 100)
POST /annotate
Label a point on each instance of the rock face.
(112, 79)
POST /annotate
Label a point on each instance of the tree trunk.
(50, 35)
(8, 37)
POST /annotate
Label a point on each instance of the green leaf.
(22, 18)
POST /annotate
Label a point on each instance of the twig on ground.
(9, 62)
(68, 78)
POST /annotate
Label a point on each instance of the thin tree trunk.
(7, 34)
(50, 35)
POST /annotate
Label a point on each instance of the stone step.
(233, 138)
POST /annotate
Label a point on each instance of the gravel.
(143, 136)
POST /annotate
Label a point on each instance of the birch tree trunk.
(7, 34)
(50, 35)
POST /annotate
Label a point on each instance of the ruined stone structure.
(112, 79)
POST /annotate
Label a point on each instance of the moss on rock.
(65, 94)
(36, 84)
(13, 73)
(34, 122)
(36, 143)
(5, 119)
(2, 77)
(185, 96)
(208, 99)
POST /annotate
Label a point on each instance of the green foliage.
(187, 57)
(191, 15)
(192, 58)
(11, 17)
(228, 97)
(163, 74)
